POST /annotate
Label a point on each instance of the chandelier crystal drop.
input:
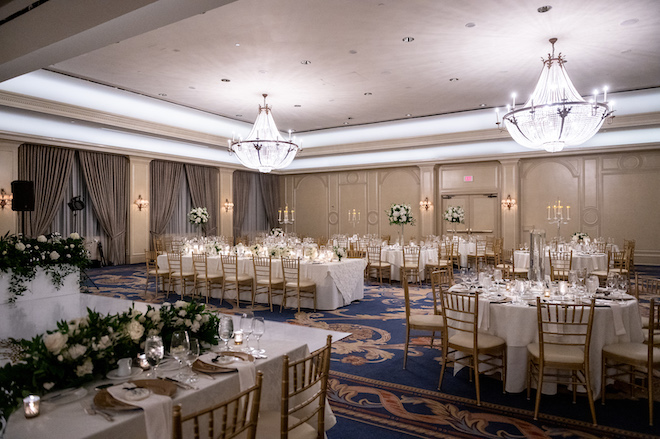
(555, 115)
(264, 149)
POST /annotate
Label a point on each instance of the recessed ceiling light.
(350, 118)
(176, 50)
(544, 9)
(352, 52)
(629, 22)
(239, 115)
(345, 123)
(305, 62)
(262, 71)
(470, 25)
(162, 94)
(368, 94)
(408, 115)
(408, 39)
(297, 105)
(453, 79)
(238, 44)
(192, 88)
(482, 105)
(626, 51)
(225, 80)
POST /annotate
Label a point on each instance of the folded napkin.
(617, 313)
(484, 313)
(458, 288)
(246, 370)
(157, 411)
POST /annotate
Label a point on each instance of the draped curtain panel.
(270, 193)
(106, 176)
(165, 184)
(203, 183)
(241, 194)
(49, 168)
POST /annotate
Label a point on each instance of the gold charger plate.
(104, 400)
(201, 366)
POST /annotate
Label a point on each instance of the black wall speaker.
(23, 192)
(76, 203)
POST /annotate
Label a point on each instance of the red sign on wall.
(467, 178)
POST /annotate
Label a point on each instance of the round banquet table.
(465, 248)
(590, 261)
(394, 255)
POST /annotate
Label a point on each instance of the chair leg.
(444, 365)
(603, 380)
(475, 362)
(405, 350)
(590, 396)
(650, 394)
(539, 387)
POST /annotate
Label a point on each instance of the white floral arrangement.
(277, 232)
(340, 252)
(279, 251)
(256, 249)
(311, 252)
(454, 214)
(400, 214)
(580, 237)
(198, 216)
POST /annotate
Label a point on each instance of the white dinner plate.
(135, 371)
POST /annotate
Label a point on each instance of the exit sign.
(467, 178)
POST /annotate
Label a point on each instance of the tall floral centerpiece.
(400, 215)
(454, 215)
(199, 216)
(580, 238)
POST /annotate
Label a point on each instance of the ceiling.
(361, 71)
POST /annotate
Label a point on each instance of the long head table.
(337, 283)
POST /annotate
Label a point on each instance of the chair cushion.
(634, 351)
(599, 273)
(485, 341)
(645, 323)
(269, 426)
(427, 320)
(209, 277)
(239, 278)
(558, 354)
(273, 281)
(159, 272)
(304, 283)
(379, 264)
(411, 266)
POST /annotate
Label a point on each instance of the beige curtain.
(165, 184)
(106, 176)
(203, 183)
(49, 168)
(270, 193)
(241, 194)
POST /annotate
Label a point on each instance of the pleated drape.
(203, 183)
(270, 193)
(165, 184)
(241, 193)
(106, 176)
(49, 168)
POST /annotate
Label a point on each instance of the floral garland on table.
(87, 348)
(198, 216)
(400, 214)
(279, 251)
(454, 214)
(340, 252)
(311, 252)
(56, 255)
(277, 231)
(580, 237)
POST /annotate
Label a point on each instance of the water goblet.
(226, 330)
(258, 329)
(154, 352)
(623, 285)
(612, 281)
(179, 348)
(193, 354)
(246, 327)
(573, 278)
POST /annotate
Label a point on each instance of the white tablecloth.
(591, 262)
(465, 248)
(337, 283)
(41, 286)
(394, 256)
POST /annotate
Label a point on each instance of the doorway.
(481, 213)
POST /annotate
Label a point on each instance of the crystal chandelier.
(264, 149)
(555, 115)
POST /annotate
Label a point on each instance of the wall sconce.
(141, 203)
(425, 204)
(228, 205)
(508, 202)
(5, 198)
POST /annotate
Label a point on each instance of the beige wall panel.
(399, 186)
(311, 196)
(485, 178)
(352, 196)
(543, 183)
(8, 173)
(373, 210)
(138, 219)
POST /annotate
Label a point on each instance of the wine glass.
(246, 327)
(612, 281)
(226, 330)
(258, 329)
(179, 348)
(193, 353)
(573, 278)
(154, 351)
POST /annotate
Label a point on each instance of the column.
(510, 185)
(427, 190)
(138, 220)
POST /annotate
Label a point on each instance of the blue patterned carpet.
(373, 396)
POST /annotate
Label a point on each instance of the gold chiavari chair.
(355, 253)
(304, 391)
(617, 262)
(153, 270)
(232, 280)
(265, 282)
(178, 276)
(462, 338)
(376, 266)
(159, 245)
(629, 245)
(302, 287)
(560, 264)
(564, 339)
(422, 322)
(411, 262)
(601, 247)
(445, 260)
(236, 415)
(385, 238)
(479, 255)
(203, 278)
(646, 288)
(635, 363)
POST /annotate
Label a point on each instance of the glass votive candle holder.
(31, 406)
(238, 337)
(142, 362)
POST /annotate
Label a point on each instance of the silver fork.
(91, 410)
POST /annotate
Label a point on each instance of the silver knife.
(180, 384)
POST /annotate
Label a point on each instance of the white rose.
(55, 342)
(42, 238)
(60, 358)
(188, 322)
(76, 351)
(86, 368)
(198, 317)
(135, 330)
(48, 386)
(195, 327)
(74, 235)
(54, 255)
(72, 246)
(105, 342)
(20, 246)
(180, 304)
